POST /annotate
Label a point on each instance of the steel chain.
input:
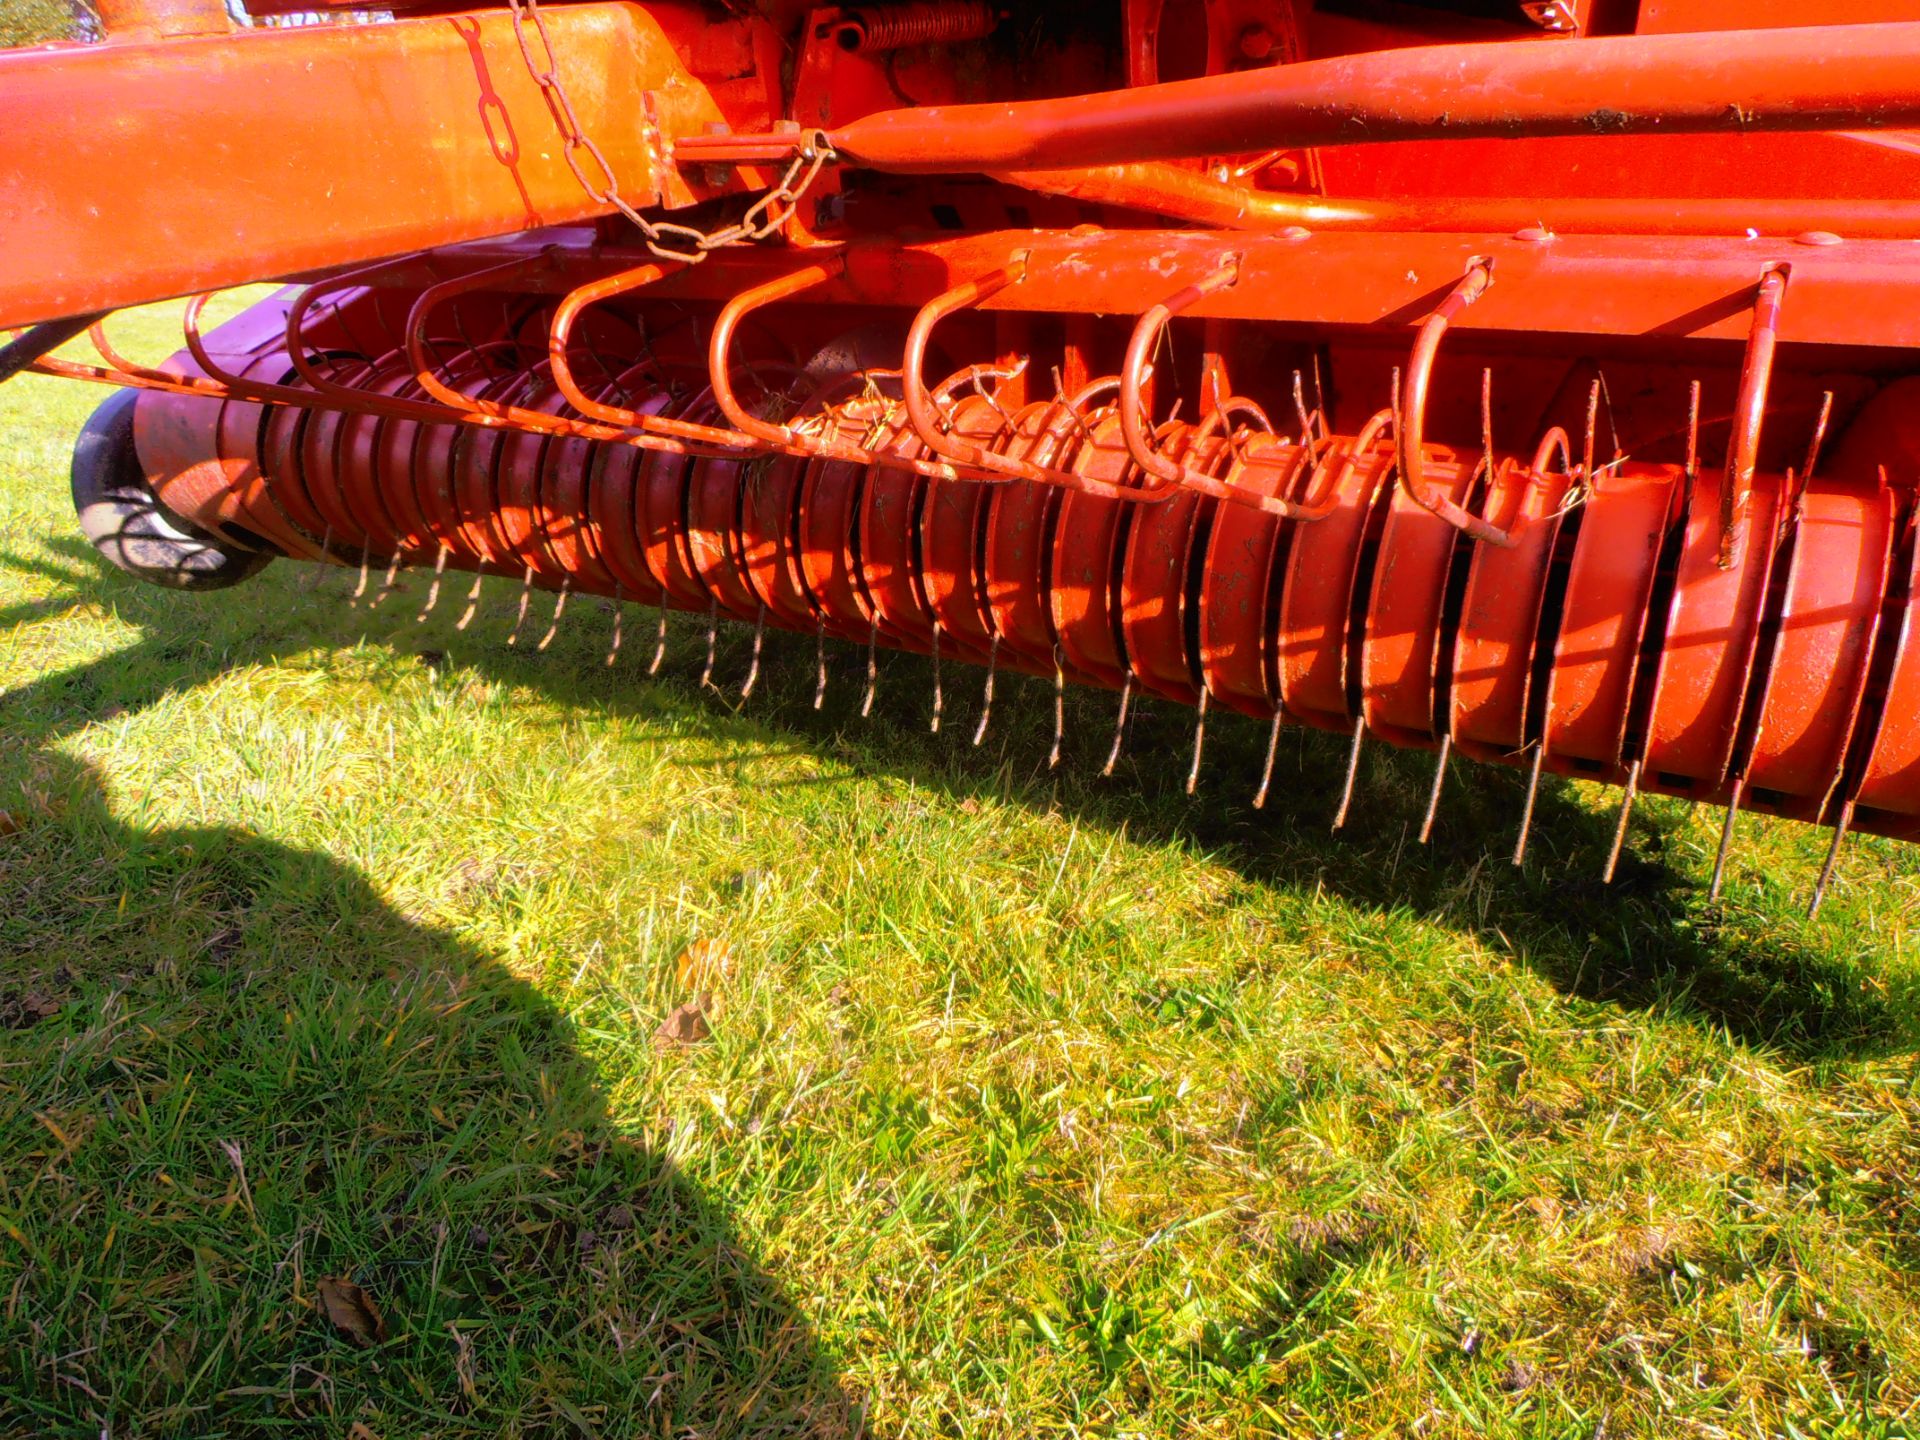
(685, 244)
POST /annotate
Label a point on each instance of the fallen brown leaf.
(687, 1025)
(20, 1011)
(352, 1311)
(9, 823)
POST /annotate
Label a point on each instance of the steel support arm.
(1832, 77)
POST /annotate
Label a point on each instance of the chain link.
(685, 244)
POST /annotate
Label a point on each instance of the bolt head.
(1816, 237)
(1256, 42)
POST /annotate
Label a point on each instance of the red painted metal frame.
(136, 171)
(1855, 77)
(1859, 293)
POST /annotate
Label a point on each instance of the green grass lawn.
(334, 947)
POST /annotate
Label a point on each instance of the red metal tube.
(1832, 77)
(1410, 424)
(1750, 407)
(1134, 422)
(1156, 187)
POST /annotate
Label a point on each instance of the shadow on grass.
(1649, 940)
(231, 1076)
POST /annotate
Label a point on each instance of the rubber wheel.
(127, 524)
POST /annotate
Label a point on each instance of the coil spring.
(918, 22)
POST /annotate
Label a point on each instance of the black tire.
(127, 523)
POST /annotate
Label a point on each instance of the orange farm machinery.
(1525, 381)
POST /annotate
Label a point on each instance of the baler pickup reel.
(943, 378)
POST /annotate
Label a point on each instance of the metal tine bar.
(1300, 409)
(1273, 747)
(1433, 795)
(1199, 739)
(473, 604)
(1526, 810)
(873, 666)
(1486, 421)
(660, 645)
(1613, 421)
(326, 549)
(386, 585)
(559, 609)
(526, 594)
(1814, 444)
(1693, 432)
(361, 588)
(938, 698)
(433, 587)
(713, 641)
(1119, 724)
(1060, 397)
(993, 400)
(820, 662)
(1059, 709)
(1819, 433)
(619, 613)
(986, 694)
(1410, 407)
(1620, 827)
(759, 635)
(1750, 403)
(1840, 829)
(1726, 837)
(1319, 396)
(1593, 422)
(1353, 771)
